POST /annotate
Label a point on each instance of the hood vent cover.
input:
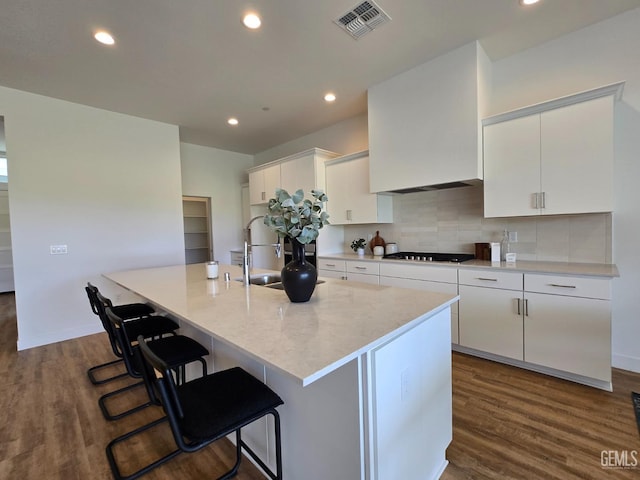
(362, 19)
(440, 186)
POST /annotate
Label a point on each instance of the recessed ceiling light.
(528, 2)
(104, 37)
(252, 21)
(233, 121)
(330, 97)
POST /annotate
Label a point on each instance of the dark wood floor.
(508, 423)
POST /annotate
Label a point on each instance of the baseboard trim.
(625, 362)
(591, 382)
(57, 336)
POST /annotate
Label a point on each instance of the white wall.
(107, 185)
(215, 173)
(601, 54)
(344, 137)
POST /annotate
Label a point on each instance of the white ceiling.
(192, 63)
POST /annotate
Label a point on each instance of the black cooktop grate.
(431, 256)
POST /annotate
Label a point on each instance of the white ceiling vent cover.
(362, 19)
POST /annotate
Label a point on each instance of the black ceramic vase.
(299, 276)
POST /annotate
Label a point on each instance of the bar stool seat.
(204, 410)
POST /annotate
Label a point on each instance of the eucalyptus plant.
(296, 217)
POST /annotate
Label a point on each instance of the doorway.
(198, 245)
(6, 257)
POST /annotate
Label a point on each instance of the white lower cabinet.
(352, 270)
(556, 324)
(490, 312)
(566, 330)
(328, 267)
(365, 272)
(424, 277)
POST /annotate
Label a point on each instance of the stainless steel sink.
(265, 279)
(279, 286)
(271, 280)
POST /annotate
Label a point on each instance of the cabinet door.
(297, 174)
(338, 190)
(569, 333)
(263, 184)
(512, 167)
(331, 274)
(271, 181)
(362, 203)
(577, 157)
(257, 194)
(489, 321)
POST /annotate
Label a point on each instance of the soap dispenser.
(504, 245)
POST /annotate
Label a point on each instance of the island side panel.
(410, 403)
(321, 424)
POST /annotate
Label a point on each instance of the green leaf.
(298, 196)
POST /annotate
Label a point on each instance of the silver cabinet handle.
(544, 200)
(561, 286)
(487, 279)
(361, 268)
(263, 195)
(518, 302)
(329, 264)
(349, 215)
(535, 200)
(526, 307)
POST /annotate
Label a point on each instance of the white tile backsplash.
(452, 221)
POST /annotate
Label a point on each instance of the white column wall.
(104, 184)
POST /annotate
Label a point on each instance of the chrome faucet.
(248, 246)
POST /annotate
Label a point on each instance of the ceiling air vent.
(362, 19)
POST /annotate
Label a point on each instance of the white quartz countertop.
(524, 266)
(305, 340)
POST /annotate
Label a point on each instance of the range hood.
(440, 186)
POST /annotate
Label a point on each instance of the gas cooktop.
(431, 257)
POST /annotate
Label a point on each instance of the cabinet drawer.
(420, 272)
(368, 268)
(330, 264)
(331, 274)
(586, 287)
(491, 279)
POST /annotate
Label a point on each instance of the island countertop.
(304, 340)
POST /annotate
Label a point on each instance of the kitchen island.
(364, 371)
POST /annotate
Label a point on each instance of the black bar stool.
(127, 312)
(177, 349)
(204, 410)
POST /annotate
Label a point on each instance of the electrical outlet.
(58, 249)
(369, 237)
(513, 237)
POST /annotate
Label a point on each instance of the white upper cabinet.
(551, 158)
(348, 191)
(304, 170)
(263, 183)
(424, 124)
